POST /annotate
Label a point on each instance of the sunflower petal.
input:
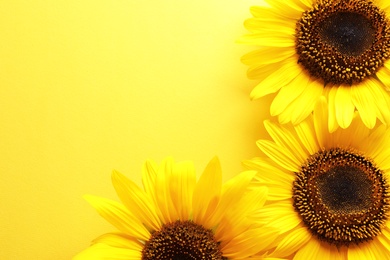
(267, 38)
(232, 192)
(262, 24)
(383, 75)
(281, 215)
(119, 240)
(149, 173)
(382, 102)
(290, 7)
(280, 155)
(265, 11)
(136, 200)
(181, 184)
(268, 170)
(102, 251)
(247, 243)
(361, 252)
(119, 216)
(292, 242)
(320, 116)
(305, 131)
(331, 115)
(312, 250)
(267, 56)
(276, 80)
(288, 94)
(205, 202)
(344, 108)
(165, 203)
(283, 137)
(362, 99)
(306, 102)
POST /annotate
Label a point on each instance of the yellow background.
(87, 86)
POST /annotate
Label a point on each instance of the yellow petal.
(268, 170)
(261, 11)
(261, 24)
(119, 240)
(267, 55)
(262, 71)
(304, 104)
(149, 173)
(119, 216)
(305, 131)
(235, 220)
(288, 94)
(320, 116)
(378, 249)
(384, 239)
(287, 7)
(102, 251)
(283, 137)
(267, 38)
(331, 115)
(366, 251)
(293, 242)
(232, 192)
(383, 4)
(382, 101)
(312, 250)
(308, 3)
(277, 79)
(280, 155)
(265, 11)
(298, 102)
(362, 99)
(286, 222)
(278, 192)
(280, 215)
(278, 29)
(210, 181)
(249, 243)
(344, 107)
(136, 200)
(350, 137)
(383, 75)
(167, 212)
(181, 184)
(383, 159)
(377, 142)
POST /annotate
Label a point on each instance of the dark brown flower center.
(182, 240)
(349, 33)
(342, 197)
(343, 41)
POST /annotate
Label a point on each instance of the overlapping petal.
(290, 148)
(171, 194)
(278, 66)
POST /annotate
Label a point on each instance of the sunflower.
(175, 217)
(328, 192)
(309, 48)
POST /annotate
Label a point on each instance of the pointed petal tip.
(215, 160)
(87, 197)
(92, 199)
(115, 173)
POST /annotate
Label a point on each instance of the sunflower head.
(176, 217)
(341, 196)
(336, 48)
(329, 192)
(342, 42)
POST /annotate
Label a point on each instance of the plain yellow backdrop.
(87, 86)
